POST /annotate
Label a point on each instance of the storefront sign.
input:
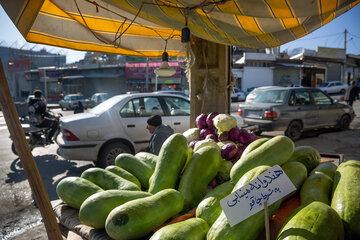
(270, 186)
(166, 80)
(138, 70)
(18, 65)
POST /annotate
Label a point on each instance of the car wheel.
(294, 130)
(110, 152)
(62, 108)
(344, 123)
(342, 91)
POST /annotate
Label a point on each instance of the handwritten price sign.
(271, 186)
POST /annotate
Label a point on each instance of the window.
(177, 106)
(128, 110)
(320, 98)
(270, 96)
(302, 98)
(153, 106)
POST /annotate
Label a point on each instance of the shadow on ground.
(49, 166)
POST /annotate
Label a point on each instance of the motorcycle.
(36, 136)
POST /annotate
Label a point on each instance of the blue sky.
(330, 35)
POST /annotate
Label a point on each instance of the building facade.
(309, 68)
(16, 61)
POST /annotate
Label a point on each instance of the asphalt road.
(18, 213)
(19, 217)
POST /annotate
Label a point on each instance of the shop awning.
(140, 28)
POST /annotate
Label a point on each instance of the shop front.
(140, 76)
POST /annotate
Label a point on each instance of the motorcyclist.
(40, 116)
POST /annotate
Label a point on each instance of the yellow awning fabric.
(141, 27)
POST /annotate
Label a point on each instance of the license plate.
(253, 114)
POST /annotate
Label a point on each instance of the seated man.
(160, 132)
(40, 117)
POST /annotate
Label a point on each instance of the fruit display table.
(73, 229)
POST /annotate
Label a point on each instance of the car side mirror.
(335, 101)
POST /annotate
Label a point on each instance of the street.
(17, 210)
(18, 213)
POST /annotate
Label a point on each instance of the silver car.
(98, 98)
(333, 87)
(237, 95)
(295, 110)
(71, 101)
(118, 125)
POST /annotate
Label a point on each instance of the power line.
(324, 36)
(353, 35)
(336, 41)
(355, 45)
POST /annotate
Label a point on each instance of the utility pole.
(345, 32)
(147, 76)
(344, 70)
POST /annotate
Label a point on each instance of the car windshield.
(106, 105)
(270, 96)
(77, 97)
(324, 84)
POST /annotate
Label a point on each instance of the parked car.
(71, 101)
(132, 92)
(176, 92)
(295, 110)
(254, 92)
(118, 125)
(98, 98)
(333, 87)
(294, 85)
(33, 96)
(237, 95)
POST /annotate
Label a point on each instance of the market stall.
(147, 29)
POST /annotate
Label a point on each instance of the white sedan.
(118, 125)
(333, 87)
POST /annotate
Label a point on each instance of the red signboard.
(138, 70)
(18, 65)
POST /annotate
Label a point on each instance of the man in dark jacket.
(352, 92)
(40, 117)
(160, 132)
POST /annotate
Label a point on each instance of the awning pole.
(27, 159)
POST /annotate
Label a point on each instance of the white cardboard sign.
(271, 185)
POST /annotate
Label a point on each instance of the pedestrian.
(79, 108)
(352, 92)
(160, 132)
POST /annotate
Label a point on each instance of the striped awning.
(141, 27)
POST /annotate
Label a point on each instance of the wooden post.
(27, 159)
(210, 79)
(267, 224)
